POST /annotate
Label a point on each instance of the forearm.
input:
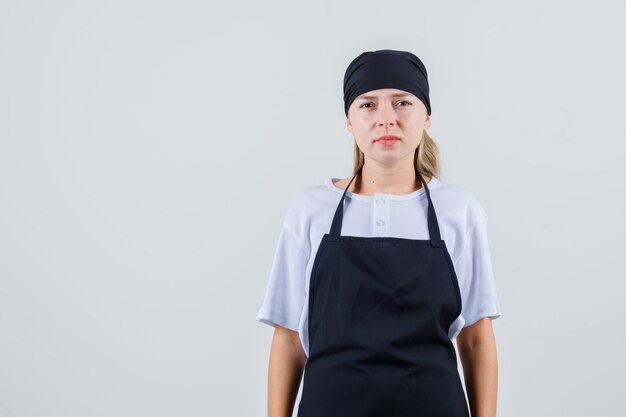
(286, 365)
(480, 370)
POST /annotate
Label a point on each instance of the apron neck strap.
(433, 226)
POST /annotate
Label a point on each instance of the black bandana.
(385, 68)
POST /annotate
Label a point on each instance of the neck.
(395, 179)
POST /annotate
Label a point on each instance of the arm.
(477, 350)
(287, 360)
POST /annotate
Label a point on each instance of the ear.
(427, 122)
(348, 125)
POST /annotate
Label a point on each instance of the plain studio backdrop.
(149, 151)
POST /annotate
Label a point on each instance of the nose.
(386, 116)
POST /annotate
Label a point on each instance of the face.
(387, 112)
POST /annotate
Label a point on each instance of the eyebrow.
(393, 95)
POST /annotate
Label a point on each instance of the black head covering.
(385, 68)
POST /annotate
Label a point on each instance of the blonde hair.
(426, 158)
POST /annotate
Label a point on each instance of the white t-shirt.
(462, 223)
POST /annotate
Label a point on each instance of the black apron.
(379, 313)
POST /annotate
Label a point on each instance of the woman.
(368, 307)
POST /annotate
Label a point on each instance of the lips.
(387, 140)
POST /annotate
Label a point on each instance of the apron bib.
(379, 313)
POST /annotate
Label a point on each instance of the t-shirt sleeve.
(475, 276)
(285, 290)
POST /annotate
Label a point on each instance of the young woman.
(377, 273)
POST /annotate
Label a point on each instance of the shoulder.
(455, 202)
(308, 208)
(309, 202)
(463, 222)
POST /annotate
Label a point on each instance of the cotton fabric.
(386, 68)
(463, 226)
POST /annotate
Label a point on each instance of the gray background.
(149, 151)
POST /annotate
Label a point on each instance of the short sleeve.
(285, 290)
(475, 275)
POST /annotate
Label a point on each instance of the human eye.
(405, 101)
(364, 104)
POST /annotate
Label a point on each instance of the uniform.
(381, 296)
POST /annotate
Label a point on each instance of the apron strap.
(433, 225)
